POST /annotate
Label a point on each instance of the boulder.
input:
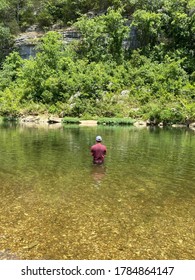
(30, 119)
(178, 125)
(54, 120)
(192, 126)
(140, 124)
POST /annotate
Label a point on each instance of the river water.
(55, 204)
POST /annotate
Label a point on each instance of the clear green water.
(56, 205)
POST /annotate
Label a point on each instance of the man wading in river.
(98, 151)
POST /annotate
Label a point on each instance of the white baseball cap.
(99, 139)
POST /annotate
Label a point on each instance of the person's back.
(98, 151)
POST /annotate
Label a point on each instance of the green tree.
(103, 36)
(10, 94)
(40, 75)
(6, 42)
(148, 25)
(10, 70)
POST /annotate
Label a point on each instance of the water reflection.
(98, 172)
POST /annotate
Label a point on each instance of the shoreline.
(56, 122)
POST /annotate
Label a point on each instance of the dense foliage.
(108, 72)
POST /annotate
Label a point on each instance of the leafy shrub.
(171, 115)
(167, 113)
(32, 108)
(115, 121)
(10, 102)
(69, 120)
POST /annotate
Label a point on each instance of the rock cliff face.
(26, 42)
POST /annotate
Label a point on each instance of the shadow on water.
(55, 204)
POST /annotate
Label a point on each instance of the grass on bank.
(101, 121)
(70, 120)
(8, 119)
(115, 121)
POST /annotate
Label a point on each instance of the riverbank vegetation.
(136, 62)
(115, 121)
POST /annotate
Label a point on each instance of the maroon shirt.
(98, 152)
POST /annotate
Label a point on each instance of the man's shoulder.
(98, 145)
(103, 146)
(93, 146)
